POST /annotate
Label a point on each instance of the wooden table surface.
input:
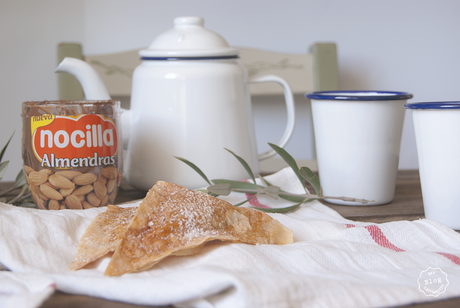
(407, 205)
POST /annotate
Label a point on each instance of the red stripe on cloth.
(255, 201)
(378, 237)
(452, 258)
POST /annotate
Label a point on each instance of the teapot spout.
(89, 79)
(94, 88)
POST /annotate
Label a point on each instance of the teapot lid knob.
(188, 39)
(188, 21)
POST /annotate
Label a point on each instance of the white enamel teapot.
(190, 99)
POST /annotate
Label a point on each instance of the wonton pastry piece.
(172, 218)
(102, 235)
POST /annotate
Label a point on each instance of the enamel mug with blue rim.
(437, 131)
(358, 140)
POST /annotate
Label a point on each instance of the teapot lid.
(188, 39)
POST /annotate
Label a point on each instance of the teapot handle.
(289, 98)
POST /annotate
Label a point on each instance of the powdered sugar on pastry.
(174, 220)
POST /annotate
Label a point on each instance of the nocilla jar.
(72, 153)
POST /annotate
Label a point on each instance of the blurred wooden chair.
(315, 70)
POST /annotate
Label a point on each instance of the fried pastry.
(172, 219)
(103, 235)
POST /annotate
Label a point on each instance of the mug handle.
(289, 99)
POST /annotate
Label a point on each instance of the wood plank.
(60, 299)
(69, 87)
(326, 72)
(406, 205)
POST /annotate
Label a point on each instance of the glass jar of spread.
(72, 153)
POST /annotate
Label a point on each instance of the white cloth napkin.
(24, 290)
(333, 262)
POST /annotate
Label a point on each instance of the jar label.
(87, 140)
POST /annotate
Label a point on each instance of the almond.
(100, 190)
(73, 202)
(50, 192)
(105, 200)
(85, 179)
(61, 182)
(51, 185)
(110, 172)
(86, 205)
(33, 189)
(111, 184)
(112, 197)
(93, 199)
(54, 205)
(42, 196)
(69, 174)
(37, 178)
(101, 178)
(38, 201)
(47, 171)
(83, 190)
(27, 169)
(66, 192)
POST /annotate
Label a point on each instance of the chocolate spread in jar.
(72, 153)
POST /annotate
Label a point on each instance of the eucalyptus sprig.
(23, 198)
(221, 187)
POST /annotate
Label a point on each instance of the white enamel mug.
(358, 138)
(437, 134)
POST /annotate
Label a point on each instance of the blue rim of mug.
(188, 58)
(434, 105)
(359, 95)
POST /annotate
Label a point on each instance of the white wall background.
(410, 45)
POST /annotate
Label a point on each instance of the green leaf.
(208, 192)
(254, 189)
(29, 199)
(272, 191)
(290, 161)
(243, 202)
(278, 210)
(28, 204)
(3, 167)
(4, 148)
(223, 189)
(20, 180)
(245, 165)
(240, 185)
(194, 167)
(18, 197)
(311, 178)
(266, 183)
(295, 199)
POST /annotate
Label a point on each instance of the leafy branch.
(221, 187)
(23, 198)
